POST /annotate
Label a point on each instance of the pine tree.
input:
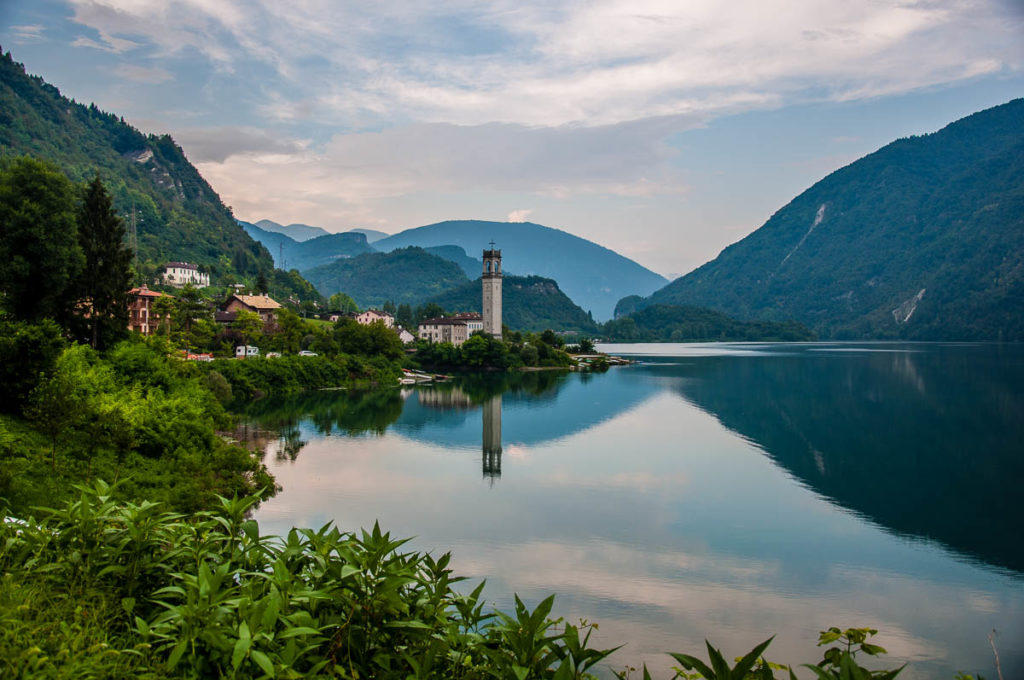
(104, 282)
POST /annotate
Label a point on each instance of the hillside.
(472, 266)
(296, 232)
(529, 303)
(684, 323)
(179, 216)
(923, 239)
(303, 255)
(593, 276)
(407, 275)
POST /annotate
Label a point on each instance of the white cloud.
(142, 74)
(519, 215)
(27, 33)
(593, 63)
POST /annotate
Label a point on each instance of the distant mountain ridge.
(593, 276)
(922, 239)
(297, 232)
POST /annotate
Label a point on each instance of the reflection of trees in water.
(348, 412)
(926, 444)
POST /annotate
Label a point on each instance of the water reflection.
(691, 496)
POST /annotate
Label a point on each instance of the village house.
(178, 274)
(455, 329)
(260, 304)
(405, 336)
(372, 315)
(141, 318)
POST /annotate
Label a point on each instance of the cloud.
(590, 63)
(27, 33)
(216, 145)
(519, 215)
(340, 180)
(142, 74)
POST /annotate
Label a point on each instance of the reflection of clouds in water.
(668, 600)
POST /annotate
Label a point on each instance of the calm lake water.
(730, 491)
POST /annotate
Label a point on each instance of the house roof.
(143, 291)
(181, 265)
(468, 316)
(377, 312)
(257, 301)
(444, 321)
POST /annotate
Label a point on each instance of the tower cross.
(492, 244)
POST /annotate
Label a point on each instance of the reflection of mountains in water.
(534, 410)
(924, 443)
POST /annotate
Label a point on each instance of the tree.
(261, 284)
(291, 330)
(403, 317)
(163, 309)
(39, 252)
(249, 324)
(104, 281)
(340, 302)
(189, 306)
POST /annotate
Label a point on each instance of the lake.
(727, 491)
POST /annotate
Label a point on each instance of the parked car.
(307, 353)
(247, 352)
(273, 355)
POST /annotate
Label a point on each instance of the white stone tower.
(492, 291)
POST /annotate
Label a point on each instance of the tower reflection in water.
(492, 439)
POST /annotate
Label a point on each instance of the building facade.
(492, 292)
(141, 318)
(444, 329)
(260, 304)
(372, 315)
(178, 274)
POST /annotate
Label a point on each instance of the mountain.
(685, 323)
(471, 266)
(923, 239)
(593, 276)
(291, 254)
(529, 303)
(372, 235)
(297, 232)
(179, 216)
(406, 275)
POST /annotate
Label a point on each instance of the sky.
(664, 130)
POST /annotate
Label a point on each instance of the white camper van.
(246, 352)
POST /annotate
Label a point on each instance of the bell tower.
(492, 292)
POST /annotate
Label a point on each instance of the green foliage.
(373, 339)
(26, 350)
(130, 413)
(529, 303)
(482, 351)
(208, 596)
(40, 258)
(406, 275)
(941, 213)
(683, 323)
(340, 302)
(106, 276)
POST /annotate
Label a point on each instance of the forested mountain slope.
(923, 239)
(403, 276)
(529, 303)
(179, 216)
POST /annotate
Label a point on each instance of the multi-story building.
(178, 274)
(141, 318)
(373, 315)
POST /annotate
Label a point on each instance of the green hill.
(593, 276)
(685, 323)
(923, 239)
(407, 275)
(529, 303)
(179, 216)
